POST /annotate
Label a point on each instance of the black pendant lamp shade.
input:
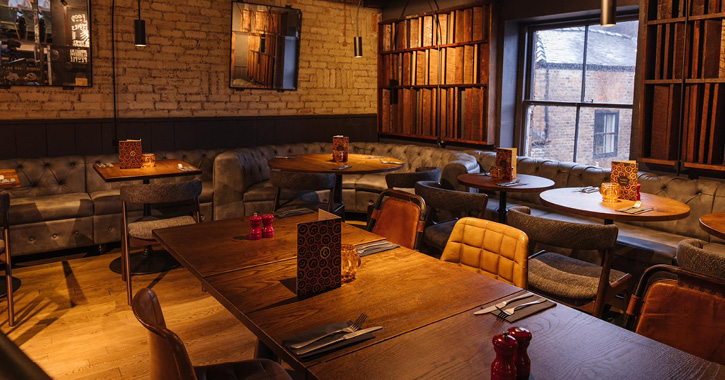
(358, 39)
(358, 47)
(609, 12)
(139, 29)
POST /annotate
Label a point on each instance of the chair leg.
(9, 281)
(277, 199)
(127, 261)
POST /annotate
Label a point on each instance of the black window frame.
(602, 114)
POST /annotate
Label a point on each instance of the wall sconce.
(357, 41)
(609, 12)
(139, 29)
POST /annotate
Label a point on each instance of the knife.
(351, 335)
(508, 301)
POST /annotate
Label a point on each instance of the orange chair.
(685, 313)
(399, 217)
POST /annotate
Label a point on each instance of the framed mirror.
(45, 43)
(265, 47)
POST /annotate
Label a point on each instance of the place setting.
(321, 340)
(516, 306)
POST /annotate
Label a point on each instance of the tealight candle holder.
(350, 261)
(148, 160)
(609, 191)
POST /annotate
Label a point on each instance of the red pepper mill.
(503, 367)
(255, 232)
(268, 231)
(523, 363)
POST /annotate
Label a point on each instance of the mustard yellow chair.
(489, 248)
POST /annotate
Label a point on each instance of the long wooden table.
(425, 306)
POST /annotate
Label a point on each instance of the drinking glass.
(350, 261)
(609, 191)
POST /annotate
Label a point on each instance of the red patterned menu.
(624, 173)
(505, 164)
(340, 144)
(129, 154)
(318, 256)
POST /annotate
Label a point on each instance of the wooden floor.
(73, 320)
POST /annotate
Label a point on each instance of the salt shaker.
(503, 367)
(268, 230)
(255, 232)
(523, 363)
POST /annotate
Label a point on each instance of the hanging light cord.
(357, 19)
(139, 9)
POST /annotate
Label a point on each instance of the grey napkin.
(292, 212)
(322, 330)
(635, 210)
(525, 312)
(375, 247)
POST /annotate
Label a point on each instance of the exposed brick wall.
(184, 69)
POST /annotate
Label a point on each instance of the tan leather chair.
(494, 249)
(685, 313)
(399, 217)
(577, 283)
(5, 247)
(170, 361)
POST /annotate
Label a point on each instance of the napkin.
(322, 330)
(525, 312)
(375, 247)
(635, 210)
(292, 212)
(345, 167)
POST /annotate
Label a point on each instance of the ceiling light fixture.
(139, 29)
(609, 12)
(358, 39)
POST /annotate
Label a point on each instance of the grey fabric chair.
(5, 247)
(455, 203)
(578, 283)
(139, 232)
(300, 182)
(693, 255)
(409, 179)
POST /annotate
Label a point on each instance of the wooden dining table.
(714, 224)
(425, 306)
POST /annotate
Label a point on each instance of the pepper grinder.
(503, 367)
(523, 363)
(255, 232)
(268, 231)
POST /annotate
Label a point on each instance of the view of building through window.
(578, 104)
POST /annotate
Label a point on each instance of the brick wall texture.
(184, 69)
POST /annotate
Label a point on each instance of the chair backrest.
(168, 357)
(301, 181)
(494, 249)
(408, 180)
(399, 217)
(161, 192)
(562, 234)
(439, 198)
(685, 313)
(691, 255)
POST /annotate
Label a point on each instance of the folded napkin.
(7, 180)
(375, 247)
(105, 165)
(292, 212)
(319, 331)
(525, 312)
(588, 190)
(186, 169)
(635, 210)
(511, 184)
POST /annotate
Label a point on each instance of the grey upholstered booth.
(701, 257)
(407, 180)
(299, 190)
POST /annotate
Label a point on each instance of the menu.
(624, 173)
(319, 262)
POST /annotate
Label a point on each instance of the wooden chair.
(139, 232)
(691, 255)
(5, 247)
(685, 312)
(16, 364)
(399, 217)
(169, 359)
(408, 180)
(577, 283)
(302, 181)
(493, 249)
(452, 203)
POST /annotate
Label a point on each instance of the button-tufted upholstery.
(244, 170)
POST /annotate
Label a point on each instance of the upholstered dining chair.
(493, 249)
(139, 232)
(455, 204)
(692, 255)
(5, 247)
(577, 283)
(685, 312)
(409, 179)
(169, 359)
(298, 182)
(398, 216)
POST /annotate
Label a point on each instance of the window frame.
(604, 133)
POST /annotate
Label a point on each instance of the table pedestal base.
(146, 262)
(4, 286)
(502, 207)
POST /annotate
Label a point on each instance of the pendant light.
(139, 29)
(609, 12)
(358, 39)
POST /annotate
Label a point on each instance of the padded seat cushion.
(437, 235)
(259, 369)
(142, 228)
(662, 244)
(50, 207)
(567, 277)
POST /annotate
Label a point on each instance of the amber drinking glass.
(609, 191)
(350, 261)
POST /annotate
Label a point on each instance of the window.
(579, 91)
(606, 128)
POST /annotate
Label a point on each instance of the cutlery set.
(104, 165)
(502, 312)
(515, 182)
(353, 330)
(344, 167)
(507, 312)
(587, 190)
(636, 209)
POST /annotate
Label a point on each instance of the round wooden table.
(323, 163)
(527, 184)
(714, 224)
(572, 200)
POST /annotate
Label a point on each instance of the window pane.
(550, 132)
(601, 149)
(611, 58)
(557, 67)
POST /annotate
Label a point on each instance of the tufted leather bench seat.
(241, 183)
(660, 239)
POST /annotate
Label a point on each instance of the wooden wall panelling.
(30, 140)
(162, 137)
(88, 138)
(8, 145)
(60, 139)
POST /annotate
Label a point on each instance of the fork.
(352, 328)
(503, 304)
(507, 312)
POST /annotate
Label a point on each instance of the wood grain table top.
(9, 174)
(569, 199)
(323, 163)
(714, 224)
(529, 183)
(163, 168)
